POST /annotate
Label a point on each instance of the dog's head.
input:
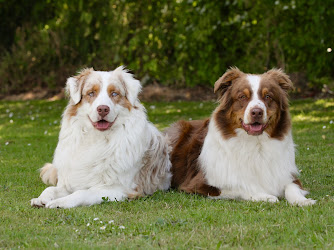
(101, 96)
(255, 103)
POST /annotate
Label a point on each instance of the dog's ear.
(282, 79)
(74, 85)
(131, 85)
(225, 80)
(73, 89)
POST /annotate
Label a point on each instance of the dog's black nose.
(103, 110)
(257, 113)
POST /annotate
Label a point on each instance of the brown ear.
(282, 79)
(74, 85)
(226, 80)
(131, 85)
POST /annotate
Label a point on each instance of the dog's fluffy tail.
(49, 174)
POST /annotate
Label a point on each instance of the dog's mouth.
(255, 128)
(103, 125)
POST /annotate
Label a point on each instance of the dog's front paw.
(60, 203)
(265, 197)
(53, 204)
(39, 202)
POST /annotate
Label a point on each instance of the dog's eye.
(91, 94)
(242, 97)
(268, 97)
(114, 94)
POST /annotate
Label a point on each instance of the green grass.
(173, 220)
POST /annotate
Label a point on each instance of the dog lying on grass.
(245, 149)
(107, 148)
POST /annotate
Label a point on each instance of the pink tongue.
(255, 127)
(102, 124)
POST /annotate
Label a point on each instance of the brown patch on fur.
(226, 80)
(83, 74)
(119, 99)
(120, 78)
(281, 78)
(247, 93)
(233, 103)
(80, 78)
(275, 84)
(225, 123)
(197, 185)
(95, 89)
(135, 195)
(72, 109)
(265, 91)
(187, 139)
(298, 182)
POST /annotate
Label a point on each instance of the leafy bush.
(181, 42)
(36, 60)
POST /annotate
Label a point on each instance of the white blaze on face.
(103, 98)
(103, 79)
(255, 101)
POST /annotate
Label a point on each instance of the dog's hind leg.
(296, 196)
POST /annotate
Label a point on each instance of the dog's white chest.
(96, 161)
(249, 163)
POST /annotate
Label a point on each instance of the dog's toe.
(53, 204)
(60, 203)
(265, 197)
(272, 199)
(37, 202)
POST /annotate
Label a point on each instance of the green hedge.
(177, 42)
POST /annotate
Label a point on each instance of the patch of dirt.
(37, 94)
(152, 92)
(157, 92)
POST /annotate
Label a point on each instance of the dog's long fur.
(245, 150)
(107, 148)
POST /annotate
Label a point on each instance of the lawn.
(28, 137)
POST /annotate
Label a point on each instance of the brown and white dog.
(107, 148)
(245, 149)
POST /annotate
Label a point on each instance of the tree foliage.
(179, 42)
